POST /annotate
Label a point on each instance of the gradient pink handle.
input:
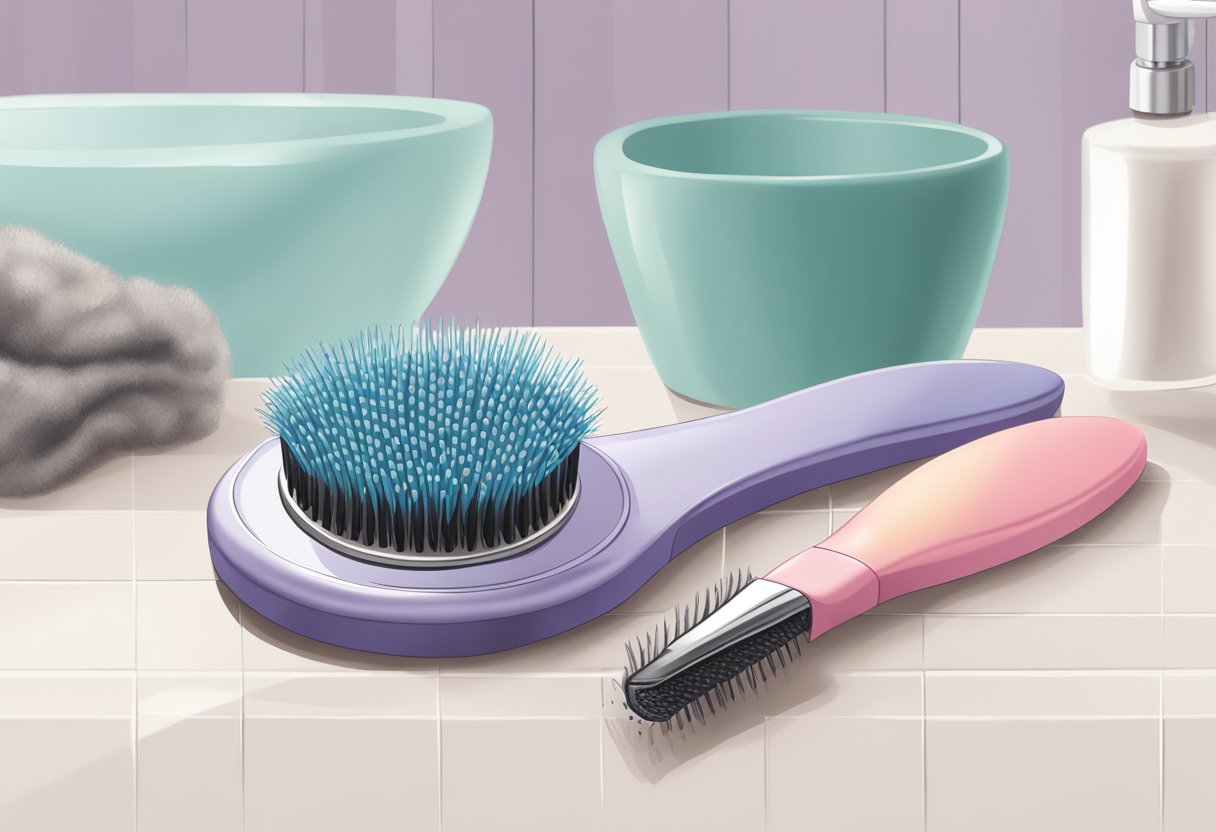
(983, 504)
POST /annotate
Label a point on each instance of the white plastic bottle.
(1149, 218)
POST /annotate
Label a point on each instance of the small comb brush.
(980, 505)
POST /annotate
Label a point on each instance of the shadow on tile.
(1187, 415)
(653, 751)
(687, 409)
(267, 646)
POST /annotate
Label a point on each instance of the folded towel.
(92, 364)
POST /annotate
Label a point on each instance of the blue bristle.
(445, 432)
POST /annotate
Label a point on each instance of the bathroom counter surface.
(1074, 689)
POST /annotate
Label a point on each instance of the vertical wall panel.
(601, 64)
(922, 58)
(66, 46)
(350, 46)
(1099, 44)
(1010, 80)
(483, 53)
(807, 53)
(415, 55)
(159, 35)
(245, 45)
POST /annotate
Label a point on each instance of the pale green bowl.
(297, 217)
(767, 251)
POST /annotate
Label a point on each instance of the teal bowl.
(767, 251)
(297, 217)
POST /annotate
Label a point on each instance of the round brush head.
(431, 447)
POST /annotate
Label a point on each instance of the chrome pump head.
(1162, 77)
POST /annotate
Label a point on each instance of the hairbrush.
(439, 493)
(975, 507)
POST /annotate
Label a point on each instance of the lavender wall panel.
(159, 35)
(922, 58)
(350, 46)
(601, 64)
(483, 53)
(807, 53)
(1010, 80)
(245, 46)
(66, 46)
(414, 53)
(1094, 89)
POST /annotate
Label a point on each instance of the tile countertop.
(1071, 690)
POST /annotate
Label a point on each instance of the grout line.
(885, 49)
(767, 785)
(439, 749)
(924, 738)
(240, 620)
(135, 664)
(959, 61)
(728, 54)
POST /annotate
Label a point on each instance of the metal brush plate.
(420, 560)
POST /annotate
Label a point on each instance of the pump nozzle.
(1162, 78)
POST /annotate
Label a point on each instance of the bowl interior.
(119, 127)
(788, 144)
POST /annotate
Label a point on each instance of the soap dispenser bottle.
(1149, 217)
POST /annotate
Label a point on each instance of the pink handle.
(983, 504)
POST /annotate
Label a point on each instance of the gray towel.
(92, 364)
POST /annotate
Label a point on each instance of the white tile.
(178, 483)
(318, 775)
(520, 774)
(1189, 771)
(842, 516)
(869, 642)
(80, 694)
(104, 487)
(694, 569)
(174, 694)
(818, 499)
(67, 774)
(240, 426)
(1190, 578)
(1156, 512)
(806, 690)
(1025, 693)
(519, 696)
(1056, 579)
(340, 694)
(1177, 424)
(596, 646)
(1042, 642)
(1061, 349)
(845, 773)
(67, 626)
(763, 541)
(171, 546)
(598, 346)
(1190, 641)
(65, 546)
(269, 647)
(711, 778)
(1020, 774)
(633, 399)
(1190, 693)
(187, 625)
(189, 775)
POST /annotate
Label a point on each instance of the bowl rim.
(612, 146)
(453, 114)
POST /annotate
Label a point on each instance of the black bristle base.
(373, 521)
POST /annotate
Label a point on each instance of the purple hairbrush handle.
(695, 477)
(644, 497)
